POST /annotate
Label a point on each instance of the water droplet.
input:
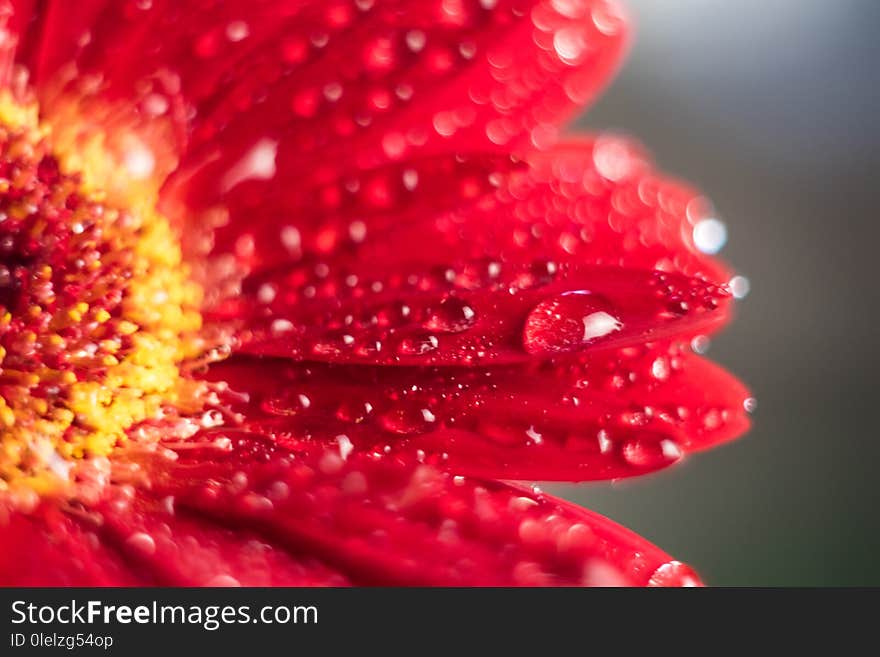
(405, 420)
(141, 543)
(237, 31)
(345, 446)
(600, 574)
(287, 403)
(257, 164)
(534, 436)
(354, 411)
(710, 235)
(570, 44)
(410, 179)
(291, 238)
(674, 573)
(521, 504)
(540, 272)
(605, 444)
(713, 419)
(568, 322)
(223, 581)
(417, 345)
(357, 231)
(739, 287)
(415, 40)
(649, 454)
(254, 503)
(700, 344)
(331, 463)
(452, 316)
(278, 491)
(660, 368)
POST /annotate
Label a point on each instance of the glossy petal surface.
(251, 514)
(472, 315)
(419, 290)
(623, 414)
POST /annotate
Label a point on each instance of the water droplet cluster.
(619, 413)
(423, 283)
(370, 520)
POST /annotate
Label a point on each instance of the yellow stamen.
(77, 371)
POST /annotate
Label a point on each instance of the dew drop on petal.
(674, 573)
(598, 574)
(141, 543)
(417, 345)
(331, 463)
(291, 238)
(345, 446)
(405, 420)
(605, 443)
(354, 411)
(569, 44)
(237, 31)
(660, 368)
(451, 316)
(700, 344)
(568, 322)
(710, 235)
(739, 287)
(569, 8)
(223, 581)
(257, 164)
(415, 40)
(650, 454)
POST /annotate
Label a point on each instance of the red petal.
(349, 89)
(364, 250)
(14, 17)
(596, 201)
(477, 313)
(382, 522)
(137, 543)
(593, 201)
(357, 213)
(335, 82)
(280, 520)
(623, 414)
(50, 548)
(374, 521)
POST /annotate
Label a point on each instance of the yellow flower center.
(97, 310)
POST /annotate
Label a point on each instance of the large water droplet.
(141, 543)
(674, 573)
(650, 454)
(568, 322)
(710, 235)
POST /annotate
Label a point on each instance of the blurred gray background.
(771, 108)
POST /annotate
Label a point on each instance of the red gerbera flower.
(289, 290)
